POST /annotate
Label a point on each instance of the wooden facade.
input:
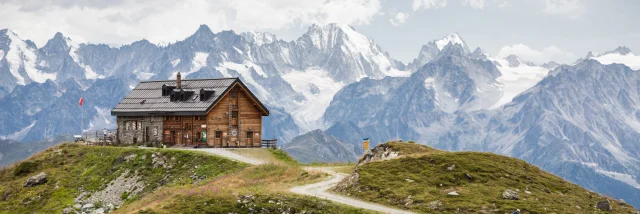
(229, 116)
(234, 121)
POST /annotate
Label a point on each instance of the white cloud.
(399, 18)
(549, 53)
(476, 4)
(427, 4)
(124, 21)
(571, 8)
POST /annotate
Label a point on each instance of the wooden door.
(249, 138)
(217, 142)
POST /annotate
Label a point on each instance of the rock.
(408, 202)
(527, 191)
(468, 176)
(409, 180)
(510, 195)
(452, 167)
(603, 205)
(130, 157)
(36, 180)
(98, 211)
(434, 205)
(77, 206)
(87, 207)
(67, 210)
(454, 193)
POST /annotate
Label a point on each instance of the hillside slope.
(423, 179)
(79, 177)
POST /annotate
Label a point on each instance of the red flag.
(81, 101)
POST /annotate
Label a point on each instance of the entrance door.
(249, 139)
(218, 139)
(173, 138)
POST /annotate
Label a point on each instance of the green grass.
(283, 156)
(71, 166)
(479, 178)
(260, 203)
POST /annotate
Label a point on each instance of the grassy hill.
(423, 179)
(134, 180)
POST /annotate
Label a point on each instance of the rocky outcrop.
(36, 180)
(379, 153)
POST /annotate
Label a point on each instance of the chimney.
(178, 81)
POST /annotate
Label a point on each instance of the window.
(167, 118)
(218, 134)
(249, 134)
(234, 114)
(155, 131)
(234, 94)
(176, 118)
(139, 125)
(127, 125)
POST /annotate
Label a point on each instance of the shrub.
(25, 168)
(411, 141)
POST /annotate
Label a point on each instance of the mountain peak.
(589, 55)
(621, 50)
(203, 31)
(57, 44)
(453, 38)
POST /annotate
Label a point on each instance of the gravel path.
(319, 190)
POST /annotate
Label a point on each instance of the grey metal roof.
(156, 104)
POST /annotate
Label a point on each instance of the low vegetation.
(269, 203)
(77, 174)
(427, 180)
(261, 189)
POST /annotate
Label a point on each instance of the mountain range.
(332, 86)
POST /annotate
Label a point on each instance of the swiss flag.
(81, 101)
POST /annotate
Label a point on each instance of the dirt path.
(319, 190)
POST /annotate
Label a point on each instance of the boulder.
(510, 195)
(603, 205)
(454, 193)
(36, 180)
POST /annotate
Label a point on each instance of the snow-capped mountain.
(305, 72)
(578, 119)
(431, 50)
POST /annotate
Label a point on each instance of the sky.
(535, 30)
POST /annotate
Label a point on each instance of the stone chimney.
(178, 81)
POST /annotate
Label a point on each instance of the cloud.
(427, 4)
(549, 53)
(476, 4)
(399, 18)
(571, 8)
(124, 21)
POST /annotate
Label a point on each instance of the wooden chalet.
(216, 113)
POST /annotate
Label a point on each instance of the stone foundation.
(128, 134)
